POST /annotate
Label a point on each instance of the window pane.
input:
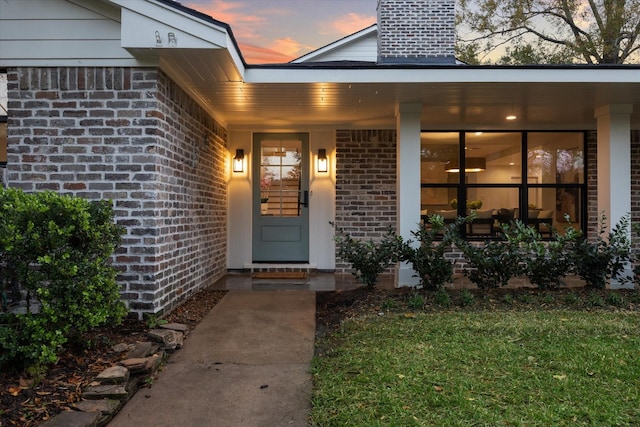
(491, 206)
(556, 157)
(280, 178)
(438, 198)
(548, 207)
(493, 158)
(438, 151)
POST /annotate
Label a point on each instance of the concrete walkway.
(245, 364)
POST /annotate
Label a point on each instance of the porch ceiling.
(457, 98)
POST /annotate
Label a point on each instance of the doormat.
(295, 275)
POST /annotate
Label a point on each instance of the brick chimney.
(416, 32)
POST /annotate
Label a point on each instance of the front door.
(281, 197)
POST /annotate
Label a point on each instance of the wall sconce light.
(472, 164)
(238, 161)
(323, 163)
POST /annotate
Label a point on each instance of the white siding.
(359, 46)
(60, 32)
(365, 49)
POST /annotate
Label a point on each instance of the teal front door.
(281, 197)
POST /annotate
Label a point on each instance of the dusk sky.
(272, 31)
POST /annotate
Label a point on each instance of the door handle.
(305, 199)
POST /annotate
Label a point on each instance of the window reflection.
(495, 187)
(556, 157)
(280, 172)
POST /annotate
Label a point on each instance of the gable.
(361, 46)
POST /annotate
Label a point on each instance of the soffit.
(446, 105)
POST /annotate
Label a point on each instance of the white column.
(408, 183)
(614, 163)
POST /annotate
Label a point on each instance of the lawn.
(480, 368)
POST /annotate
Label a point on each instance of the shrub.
(442, 298)
(493, 262)
(368, 259)
(602, 259)
(56, 249)
(416, 302)
(466, 298)
(615, 299)
(544, 263)
(428, 257)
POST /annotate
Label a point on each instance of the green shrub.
(428, 257)
(595, 300)
(368, 259)
(544, 263)
(416, 301)
(602, 259)
(614, 299)
(572, 298)
(442, 298)
(493, 262)
(57, 250)
(466, 298)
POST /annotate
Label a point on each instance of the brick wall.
(592, 185)
(416, 31)
(365, 184)
(133, 136)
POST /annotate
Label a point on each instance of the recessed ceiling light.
(511, 117)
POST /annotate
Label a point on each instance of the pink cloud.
(261, 55)
(349, 24)
(289, 47)
(244, 26)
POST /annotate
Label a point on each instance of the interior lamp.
(323, 164)
(238, 161)
(472, 164)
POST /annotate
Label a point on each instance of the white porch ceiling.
(452, 98)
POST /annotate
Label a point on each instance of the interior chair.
(482, 223)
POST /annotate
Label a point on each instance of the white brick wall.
(416, 31)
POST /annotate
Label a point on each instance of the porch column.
(614, 163)
(408, 182)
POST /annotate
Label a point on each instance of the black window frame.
(522, 187)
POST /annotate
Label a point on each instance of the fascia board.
(138, 31)
(460, 74)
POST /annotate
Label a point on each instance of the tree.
(551, 31)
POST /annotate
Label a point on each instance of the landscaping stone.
(105, 391)
(142, 349)
(104, 406)
(122, 347)
(142, 365)
(178, 327)
(114, 375)
(73, 419)
(169, 339)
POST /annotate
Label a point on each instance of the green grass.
(533, 368)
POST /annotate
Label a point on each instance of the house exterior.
(151, 104)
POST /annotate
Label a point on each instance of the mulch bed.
(25, 402)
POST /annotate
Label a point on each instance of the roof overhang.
(456, 97)
(206, 61)
(188, 45)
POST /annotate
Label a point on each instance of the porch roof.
(207, 62)
(455, 97)
(366, 95)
